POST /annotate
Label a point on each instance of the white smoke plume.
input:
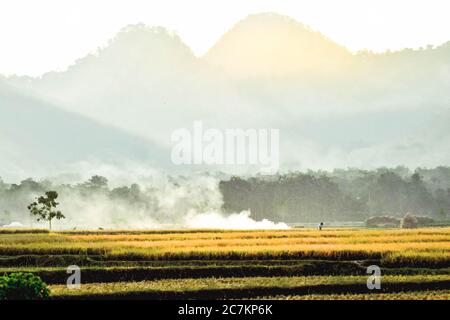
(217, 220)
(164, 202)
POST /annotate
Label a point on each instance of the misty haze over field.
(112, 112)
(333, 108)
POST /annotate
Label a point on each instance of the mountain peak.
(142, 37)
(275, 45)
(136, 48)
(269, 17)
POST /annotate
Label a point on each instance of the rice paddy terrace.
(217, 264)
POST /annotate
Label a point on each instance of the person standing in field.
(320, 226)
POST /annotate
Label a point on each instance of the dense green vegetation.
(22, 286)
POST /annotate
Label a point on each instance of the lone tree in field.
(45, 208)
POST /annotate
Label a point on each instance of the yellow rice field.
(274, 264)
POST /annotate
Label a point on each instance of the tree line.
(312, 196)
(28, 200)
(341, 195)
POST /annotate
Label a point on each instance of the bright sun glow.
(38, 36)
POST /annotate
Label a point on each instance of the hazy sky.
(44, 35)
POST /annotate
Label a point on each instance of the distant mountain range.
(37, 137)
(333, 108)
